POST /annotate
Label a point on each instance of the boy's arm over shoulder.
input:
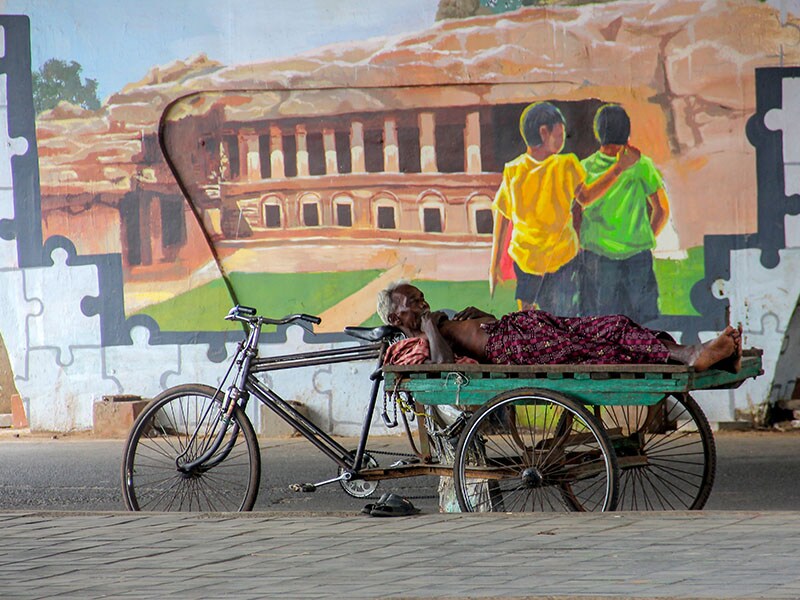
(588, 192)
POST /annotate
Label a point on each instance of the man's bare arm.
(471, 313)
(441, 351)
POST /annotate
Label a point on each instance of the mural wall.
(308, 183)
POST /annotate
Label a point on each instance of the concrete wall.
(78, 320)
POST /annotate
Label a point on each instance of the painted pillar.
(357, 147)
(329, 144)
(302, 151)
(472, 143)
(391, 153)
(156, 232)
(427, 143)
(145, 229)
(242, 148)
(249, 156)
(224, 162)
(276, 152)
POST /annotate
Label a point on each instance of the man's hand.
(438, 316)
(470, 313)
(441, 352)
(430, 319)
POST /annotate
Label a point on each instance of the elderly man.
(537, 337)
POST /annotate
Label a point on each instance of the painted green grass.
(272, 294)
(201, 309)
(676, 279)
(279, 294)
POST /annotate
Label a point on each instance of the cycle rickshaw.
(532, 438)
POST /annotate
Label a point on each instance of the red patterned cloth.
(414, 351)
(535, 337)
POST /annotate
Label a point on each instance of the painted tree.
(461, 9)
(457, 9)
(58, 80)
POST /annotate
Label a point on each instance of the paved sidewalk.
(269, 555)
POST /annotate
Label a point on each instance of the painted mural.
(308, 183)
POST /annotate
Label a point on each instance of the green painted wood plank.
(438, 384)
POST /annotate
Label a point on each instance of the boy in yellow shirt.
(536, 198)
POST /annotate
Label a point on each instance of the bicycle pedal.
(303, 487)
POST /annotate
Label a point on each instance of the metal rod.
(296, 419)
(262, 365)
(377, 379)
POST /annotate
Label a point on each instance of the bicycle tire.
(179, 425)
(555, 457)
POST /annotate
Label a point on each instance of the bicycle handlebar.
(250, 315)
(310, 318)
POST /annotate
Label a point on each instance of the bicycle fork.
(222, 424)
(234, 396)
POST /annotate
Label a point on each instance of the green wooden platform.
(606, 385)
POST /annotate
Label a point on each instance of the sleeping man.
(535, 337)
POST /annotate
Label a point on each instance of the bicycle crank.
(312, 487)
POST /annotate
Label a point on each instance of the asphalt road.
(755, 471)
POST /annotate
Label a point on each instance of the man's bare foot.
(719, 349)
(733, 363)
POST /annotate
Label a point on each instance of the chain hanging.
(401, 399)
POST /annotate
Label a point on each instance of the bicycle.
(193, 447)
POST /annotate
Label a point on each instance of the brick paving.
(296, 556)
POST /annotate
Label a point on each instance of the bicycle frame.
(247, 383)
(324, 442)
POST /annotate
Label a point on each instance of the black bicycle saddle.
(374, 334)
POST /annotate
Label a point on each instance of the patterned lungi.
(536, 337)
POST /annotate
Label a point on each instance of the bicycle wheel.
(666, 454)
(177, 427)
(530, 450)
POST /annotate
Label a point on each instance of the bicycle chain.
(387, 453)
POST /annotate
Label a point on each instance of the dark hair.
(612, 125)
(533, 117)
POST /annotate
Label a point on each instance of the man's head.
(401, 304)
(541, 123)
(612, 125)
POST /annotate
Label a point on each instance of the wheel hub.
(193, 473)
(532, 477)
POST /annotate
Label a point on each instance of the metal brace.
(390, 422)
(459, 380)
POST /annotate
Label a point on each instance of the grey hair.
(386, 301)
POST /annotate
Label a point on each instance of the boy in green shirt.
(618, 230)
